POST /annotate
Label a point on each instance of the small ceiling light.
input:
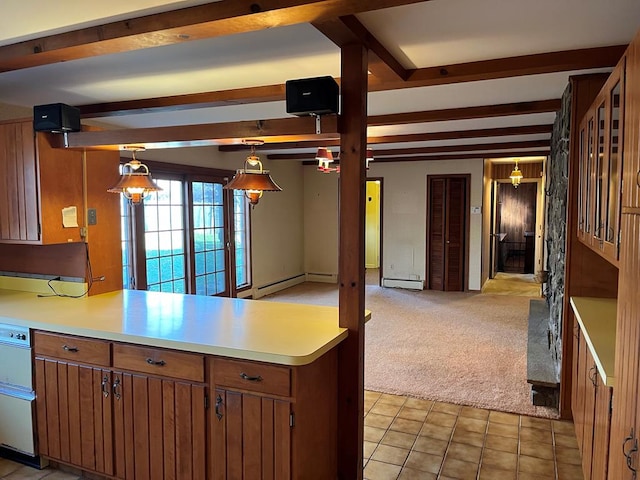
(325, 159)
(369, 157)
(254, 181)
(516, 176)
(135, 182)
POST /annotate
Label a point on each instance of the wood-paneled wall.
(501, 171)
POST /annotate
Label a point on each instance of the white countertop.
(284, 333)
(597, 319)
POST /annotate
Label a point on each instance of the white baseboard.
(277, 286)
(322, 277)
(400, 283)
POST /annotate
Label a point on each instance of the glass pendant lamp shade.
(135, 182)
(516, 176)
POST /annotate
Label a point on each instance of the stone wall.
(556, 218)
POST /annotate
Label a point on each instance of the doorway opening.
(373, 232)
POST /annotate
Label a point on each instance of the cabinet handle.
(610, 234)
(249, 378)
(634, 449)
(114, 389)
(218, 407)
(593, 371)
(67, 348)
(638, 178)
(105, 390)
(576, 331)
(158, 363)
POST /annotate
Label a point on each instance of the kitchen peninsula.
(136, 384)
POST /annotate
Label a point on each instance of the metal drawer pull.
(592, 375)
(67, 348)
(105, 390)
(249, 378)
(159, 363)
(218, 405)
(634, 449)
(114, 388)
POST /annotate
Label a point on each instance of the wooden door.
(589, 413)
(251, 437)
(447, 232)
(74, 414)
(159, 428)
(601, 431)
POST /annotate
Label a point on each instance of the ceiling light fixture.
(135, 181)
(254, 181)
(516, 176)
(325, 158)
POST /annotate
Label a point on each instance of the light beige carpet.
(512, 284)
(463, 348)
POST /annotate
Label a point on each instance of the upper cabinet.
(36, 182)
(600, 191)
(631, 187)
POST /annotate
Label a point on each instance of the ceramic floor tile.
(399, 439)
(468, 438)
(490, 473)
(500, 460)
(381, 471)
(459, 469)
(373, 434)
(503, 444)
(392, 399)
(536, 435)
(569, 472)
(446, 408)
(371, 395)
(477, 413)
(431, 445)
(466, 453)
(442, 419)
(389, 454)
(378, 421)
(566, 440)
(536, 449)
(471, 424)
(368, 448)
(419, 403)
(563, 427)
(424, 461)
(506, 418)
(503, 430)
(416, 414)
(532, 476)
(406, 426)
(436, 431)
(533, 422)
(59, 475)
(7, 466)
(27, 473)
(539, 466)
(413, 474)
(387, 409)
(568, 455)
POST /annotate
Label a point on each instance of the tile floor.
(407, 438)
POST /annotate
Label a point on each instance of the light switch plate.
(92, 216)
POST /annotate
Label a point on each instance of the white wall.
(276, 222)
(404, 212)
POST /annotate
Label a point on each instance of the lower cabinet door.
(73, 408)
(159, 428)
(601, 432)
(251, 437)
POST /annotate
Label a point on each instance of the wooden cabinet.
(631, 181)
(36, 182)
(270, 421)
(600, 177)
(133, 422)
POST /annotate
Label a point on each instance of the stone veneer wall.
(556, 218)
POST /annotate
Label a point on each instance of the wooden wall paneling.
(251, 436)
(63, 413)
(631, 166)
(282, 442)
(140, 400)
(158, 415)
(601, 431)
(233, 421)
(183, 430)
(51, 379)
(268, 451)
(351, 262)
(65, 259)
(584, 89)
(198, 432)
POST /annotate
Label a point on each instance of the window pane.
(153, 271)
(200, 270)
(241, 238)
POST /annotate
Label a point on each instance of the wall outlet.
(92, 216)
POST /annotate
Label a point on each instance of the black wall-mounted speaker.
(56, 118)
(309, 96)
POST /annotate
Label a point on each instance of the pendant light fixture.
(325, 159)
(135, 181)
(516, 176)
(254, 181)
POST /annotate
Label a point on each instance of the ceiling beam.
(465, 113)
(461, 156)
(602, 57)
(280, 129)
(395, 152)
(216, 19)
(348, 29)
(412, 137)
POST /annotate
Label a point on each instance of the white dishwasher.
(17, 398)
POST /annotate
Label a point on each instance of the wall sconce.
(325, 158)
(135, 182)
(254, 181)
(516, 176)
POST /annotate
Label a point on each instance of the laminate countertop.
(283, 333)
(597, 319)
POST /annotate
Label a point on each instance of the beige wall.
(9, 112)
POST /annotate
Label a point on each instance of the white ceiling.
(431, 33)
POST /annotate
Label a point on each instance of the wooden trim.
(351, 262)
(412, 137)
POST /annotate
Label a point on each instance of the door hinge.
(292, 420)
(611, 405)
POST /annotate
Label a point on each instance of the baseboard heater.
(322, 277)
(401, 283)
(277, 286)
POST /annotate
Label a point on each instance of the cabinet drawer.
(256, 377)
(68, 347)
(159, 361)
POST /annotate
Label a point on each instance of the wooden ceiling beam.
(590, 58)
(447, 157)
(412, 137)
(280, 129)
(348, 29)
(216, 19)
(395, 152)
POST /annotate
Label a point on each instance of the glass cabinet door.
(600, 184)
